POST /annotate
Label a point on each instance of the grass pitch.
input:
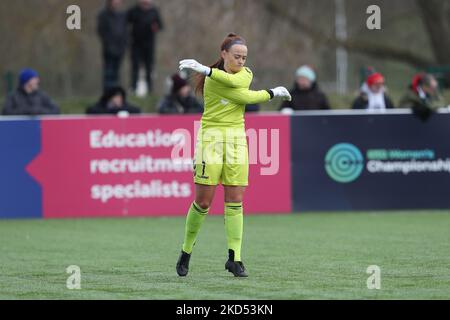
(299, 256)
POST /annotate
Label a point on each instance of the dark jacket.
(172, 104)
(311, 99)
(112, 28)
(252, 108)
(22, 103)
(421, 107)
(142, 24)
(362, 102)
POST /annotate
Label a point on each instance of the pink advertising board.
(116, 167)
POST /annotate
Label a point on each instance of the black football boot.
(235, 267)
(183, 264)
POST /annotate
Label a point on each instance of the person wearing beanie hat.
(373, 95)
(423, 96)
(375, 79)
(180, 98)
(113, 101)
(26, 75)
(306, 94)
(306, 72)
(27, 99)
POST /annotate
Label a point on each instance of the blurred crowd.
(135, 30)
(422, 95)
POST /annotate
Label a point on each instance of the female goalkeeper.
(221, 154)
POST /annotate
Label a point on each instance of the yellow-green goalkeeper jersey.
(226, 96)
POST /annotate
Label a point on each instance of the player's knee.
(234, 198)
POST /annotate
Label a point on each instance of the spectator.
(145, 21)
(373, 95)
(112, 30)
(180, 99)
(28, 99)
(423, 96)
(113, 101)
(306, 94)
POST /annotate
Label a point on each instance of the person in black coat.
(306, 94)
(145, 22)
(112, 29)
(28, 99)
(372, 96)
(180, 99)
(113, 101)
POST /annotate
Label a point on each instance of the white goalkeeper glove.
(281, 92)
(195, 66)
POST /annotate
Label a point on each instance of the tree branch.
(375, 50)
(435, 15)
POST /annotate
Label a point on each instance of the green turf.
(305, 256)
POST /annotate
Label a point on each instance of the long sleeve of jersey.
(246, 96)
(239, 84)
(226, 96)
(242, 79)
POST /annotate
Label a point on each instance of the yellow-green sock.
(234, 224)
(194, 221)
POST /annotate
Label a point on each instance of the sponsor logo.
(344, 163)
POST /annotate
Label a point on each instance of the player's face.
(235, 57)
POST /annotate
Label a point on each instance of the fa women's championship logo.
(344, 163)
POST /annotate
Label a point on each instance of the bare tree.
(434, 18)
(282, 34)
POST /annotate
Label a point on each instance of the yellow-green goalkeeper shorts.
(221, 162)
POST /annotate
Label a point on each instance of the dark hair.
(111, 92)
(227, 43)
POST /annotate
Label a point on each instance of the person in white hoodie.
(373, 95)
